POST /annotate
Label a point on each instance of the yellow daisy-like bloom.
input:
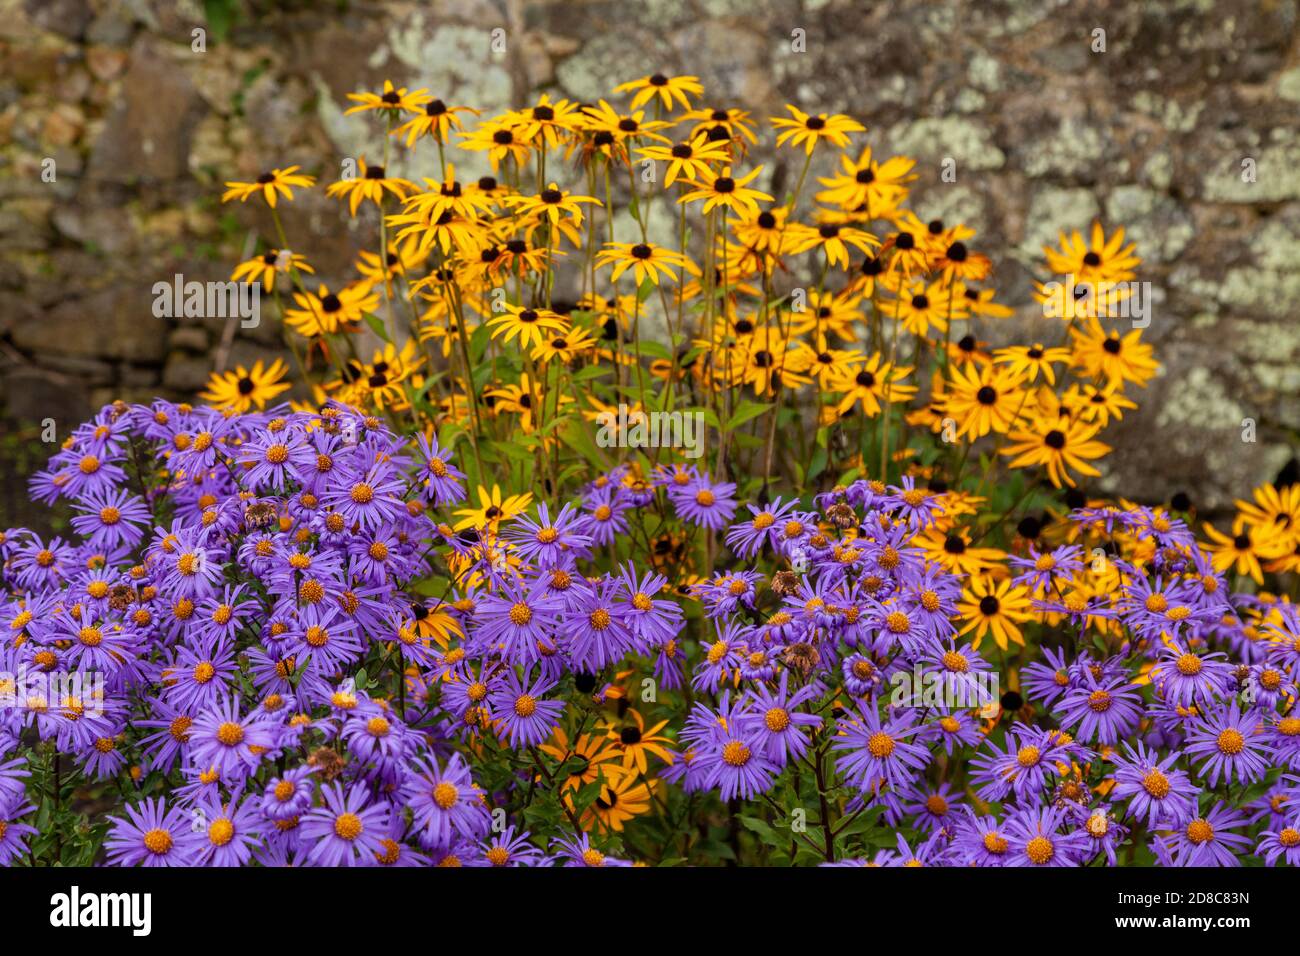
(874, 383)
(671, 90)
(723, 125)
(392, 99)
(687, 160)
(983, 399)
(1277, 509)
(921, 307)
(832, 238)
(564, 346)
(323, 312)
(762, 231)
(807, 130)
(1097, 405)
(436, 119)
(371, 183)
(980, 302)
(867, 185)
(268, 265)
(1057, 444)
(504, 140)
(608, 127)
(1119, 358)
(552, 204)
(1030, 361)
(727, 192)
(492, 509)
(530, 325)
(243, 388)
(620, 800)
(646, 260)
(270, 186)
(1096, 260)
(1243, 550)
(549, 124)
(995, 607)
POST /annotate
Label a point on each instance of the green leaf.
(746, 411)
(377, 326)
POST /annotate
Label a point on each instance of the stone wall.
(1046, 133)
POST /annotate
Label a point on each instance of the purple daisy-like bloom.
(653, 621)
(1232, 743)
(516, 622)
(775, 718)
(876, 752)
(595, 626)
(230, 829)
(1280, 844)
(440, 478)
(1026, 765)
(1034, 837)
(746, 539)
(445, 802)
(345, 831)
(152, 835)
(1187, 679)
(233, 745)
(1156, 791)
(1049, 679)
(550, 542)
(605, 520)
(736, 763)
(509, 848)
(578, 851)
(1103, 710)
(12, 832)
(1207, 839)
(111, 518)
(526, 718)
(932, 807)
(980, 841)
(369, 498)
(289, 795)
(273, 459)
(704, 502)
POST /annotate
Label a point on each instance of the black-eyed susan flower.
(436, 119)
(686, 160)
(868, 185)
(392, 100)
(994, 607)
(1095, 260)
(245, 388)
(1058, 443)
(807, 130)
(1244, 549)
(564, 346)
(873, 383)
(324, 312)
(270, 186)
(645, 259)
(727, 192)
(529, 325)
(1030, 361)
(670, 90)
(549, 123)
(1119, 358)
(268, 265)
(833, 239)
(984, 399)
(371, 182)
(500, 141)
(551, 204)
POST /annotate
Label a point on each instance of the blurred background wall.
(1047, 134)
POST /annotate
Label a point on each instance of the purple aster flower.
(775, 718)
(13, 833)
(876, 752)
(1233, 744)
(152, 835)
(233, 745)
(345, 831)
(578, 851)
(440, 478)
(230, 829)
(1102, 710)
(704, 502)
(509, 848)
(1207, 839)
(1282, 843)
(547, 542)
(1186, 679)
(1156, 791)
(516, 623)
(746, 539)
(446, 803)
(289, 795)
(111, 517)
(526, 718)
(369, 498)
(1034, 838)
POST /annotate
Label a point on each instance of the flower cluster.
(418, 615)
